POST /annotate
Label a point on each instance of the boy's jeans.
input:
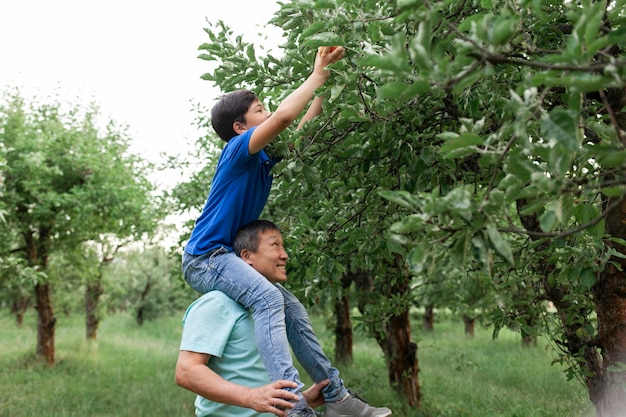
(279, 318)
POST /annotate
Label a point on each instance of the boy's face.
(255, 115)
(270, 259)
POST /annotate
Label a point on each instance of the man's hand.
(272, 398)
(313, 394)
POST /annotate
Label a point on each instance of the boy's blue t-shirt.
(238, 194)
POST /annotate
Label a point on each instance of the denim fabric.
(276, 313)
(307, 349)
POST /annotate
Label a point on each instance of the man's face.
(270, 259)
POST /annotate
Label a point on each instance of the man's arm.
(292, 106)
(193, 374)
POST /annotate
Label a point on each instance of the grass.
(129, 371)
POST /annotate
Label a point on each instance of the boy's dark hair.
(231, 108)
(247, 236)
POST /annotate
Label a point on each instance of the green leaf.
(325, 4)
(613, 159)
(551, 217)
(614, 37)
(312, 29)
(324, 39)
(618, 240)
(466, 141)
(532, 208)
(503, 30)
(561, 126)
(402, 90)
(417, 259)
(584, 213)
(595, 15)
(588, 278)
(402, 198)
(250, 53)
(583, 82)
(499, 243)
(387, 62)
(395, 246)
(408, 4)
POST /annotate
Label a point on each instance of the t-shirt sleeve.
(207, 325)
(237, 152)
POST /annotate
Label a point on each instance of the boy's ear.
(239, 128)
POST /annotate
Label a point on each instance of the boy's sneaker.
(354, 406)
(301, 409)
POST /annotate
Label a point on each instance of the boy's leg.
(305, 345)
(307, 349)
(226, 272)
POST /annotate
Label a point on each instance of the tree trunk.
(93, 291)
(401, 353)
(608, 393)
(37, 253)
(429, 317)
(343, 327)
(139, 314)
(18, 308)
(528, 340)
(470, 324)
(575, 337)
(394, 335)
(46, 324)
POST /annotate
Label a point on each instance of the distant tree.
(67, 181)
(147, 282)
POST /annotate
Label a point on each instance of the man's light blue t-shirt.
(216, 325)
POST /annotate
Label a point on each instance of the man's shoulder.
(218, 300)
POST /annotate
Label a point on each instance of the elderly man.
(218, 358)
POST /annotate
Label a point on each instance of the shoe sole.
(352, 415)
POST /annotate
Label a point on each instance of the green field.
(129, 371)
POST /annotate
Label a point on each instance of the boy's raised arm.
(295, 102)
(314, 110)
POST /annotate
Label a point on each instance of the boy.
(238, 194)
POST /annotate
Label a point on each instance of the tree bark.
(395, 337)
(576, 339)
(37, 253)
(528, 340)
(18, 308)
(401, 353)
(93, 291)
(609, 294)
(139, 314)
(470, 325)
(343, 327)
(429, 318)
(46, 323)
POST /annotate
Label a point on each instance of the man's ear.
(245, 255)
(239, 128)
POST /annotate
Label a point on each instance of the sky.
(137, 59)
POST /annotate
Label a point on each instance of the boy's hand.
(327, 55)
